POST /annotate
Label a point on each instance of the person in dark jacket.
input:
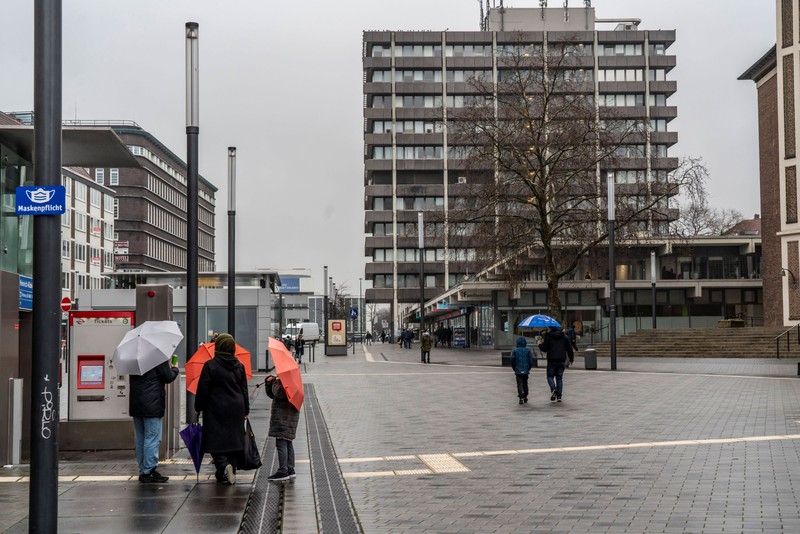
(147, 405)
(426, 342)
(223, 400)
(572, 336)
(283, 420)
(558, 349)
(521, 363)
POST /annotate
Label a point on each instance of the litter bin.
(505, 359)
(590, 358)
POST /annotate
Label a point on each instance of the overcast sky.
(282, 81)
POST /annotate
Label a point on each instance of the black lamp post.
(192, 134)
(612, 273)
(325, 305)
(421, 242)
(653, 283)
(232, 240)
(43, 495)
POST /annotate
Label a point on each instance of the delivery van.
(310, 331)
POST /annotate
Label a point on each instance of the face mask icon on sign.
(40, 196)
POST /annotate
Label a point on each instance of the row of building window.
(422, 127)
(166, 167)
(113, 176)
(581, 75)
(411, 280)
(431, 254)
(431, 229)
(164, 220)
(79, 251)
(463, 152)
(96, 197)
(84, 281)
(485, 50)
(407, 203)
(460, 101)
(166, 252)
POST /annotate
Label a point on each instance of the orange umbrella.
(288, 371)
(206, 351)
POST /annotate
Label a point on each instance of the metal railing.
(788, 336)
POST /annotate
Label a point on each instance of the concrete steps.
(703, 343)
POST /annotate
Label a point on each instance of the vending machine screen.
(91, 372)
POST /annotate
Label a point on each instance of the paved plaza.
(660, 445)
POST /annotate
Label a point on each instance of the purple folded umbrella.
(192, 436)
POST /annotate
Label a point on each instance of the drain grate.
(335, 512)
(265, 506)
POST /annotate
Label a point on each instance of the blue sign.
(25, 293)
(41, 200)
(353, 313)
(290, 284)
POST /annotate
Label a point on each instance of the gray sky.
(282, 82)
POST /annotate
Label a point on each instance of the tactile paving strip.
(335, 512)
(264, 509)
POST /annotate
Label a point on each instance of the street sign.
(25, 293)
(41, 200)
(66, 304)
(353, 313)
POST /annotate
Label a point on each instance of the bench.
(505, 358)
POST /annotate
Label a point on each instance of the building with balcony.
(413, 79)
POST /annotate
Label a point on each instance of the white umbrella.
(146, 346)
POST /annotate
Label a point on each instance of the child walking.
(282, 426)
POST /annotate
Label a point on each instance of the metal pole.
(653, 283)
(232, 241)
(192, 156)
(43, 496)
(325, 305)
(421, 239)
(361, 312)
(612, 273)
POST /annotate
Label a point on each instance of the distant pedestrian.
(559, 356)
(299, 347)
(223, 400)
(283, 427)
(409, 337)
(572, 337)
(521, 363)
(147, 405)
(287, 342)
(425, 347)
(369, 338)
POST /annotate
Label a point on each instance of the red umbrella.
(288, 371)
(206, 351)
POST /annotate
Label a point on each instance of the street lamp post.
(44, 398)
(421, 242)
(361, 311)
(192, 134)
(612, 273)
(232, 240)
(653, 283)
(325, 305)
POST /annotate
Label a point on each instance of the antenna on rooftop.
(543, 5)
(566, 10)
(587, 3)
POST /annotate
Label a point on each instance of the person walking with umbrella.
(283, 420)
(147, 405)
(223, 400)
(521, 362)
(558, 348)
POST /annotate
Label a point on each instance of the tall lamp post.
(192, 134)
(361, 311)
(43, 494)
(325, 305)
(612, 273)
(653, 283)
(232, 240)
(421, 232)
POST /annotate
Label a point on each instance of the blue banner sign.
(353, 313)
(290, 284)
(25, 293)
(41, 200)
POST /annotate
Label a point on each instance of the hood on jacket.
(226, 359)
(556, 333)
(522, 342)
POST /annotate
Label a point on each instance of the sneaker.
(553, 396)
(280, 476)
(292, 474)
(520, 401)
(230, 474)
(525, 399)
(153, 477)
(558, 399)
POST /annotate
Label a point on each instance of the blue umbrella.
(192, 436)
(539, 321)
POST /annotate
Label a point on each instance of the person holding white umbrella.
(147, 407)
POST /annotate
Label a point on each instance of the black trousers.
(222, 459)
(522, 386)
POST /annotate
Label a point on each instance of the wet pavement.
(660, 445)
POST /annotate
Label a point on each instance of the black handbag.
(251, 459)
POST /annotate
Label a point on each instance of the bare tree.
(697, 217)
(538, 149)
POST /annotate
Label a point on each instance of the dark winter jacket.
(522, 357)
(223, 400)
(148, 395)
(284, 416)
(573, 338)
(426, 342)
(557, 346)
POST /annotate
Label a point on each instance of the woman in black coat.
(222, 398)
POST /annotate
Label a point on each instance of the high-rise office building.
(413, 79)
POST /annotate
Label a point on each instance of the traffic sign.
(353, 313)
(66, 304)
(41, 200)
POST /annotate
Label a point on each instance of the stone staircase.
(703, 343)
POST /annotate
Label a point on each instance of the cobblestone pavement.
(661, 445)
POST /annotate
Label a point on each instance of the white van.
(310, 331)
